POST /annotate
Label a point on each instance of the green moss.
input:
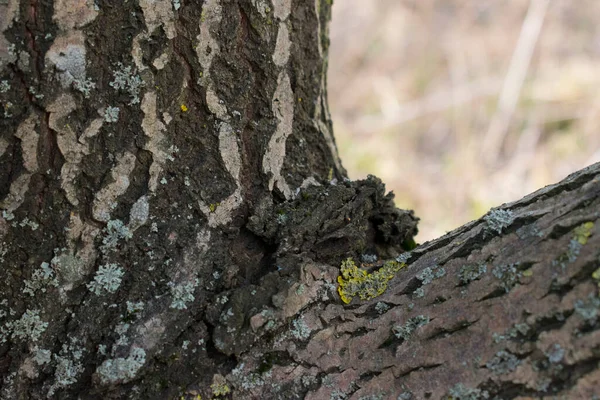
(358, 282)
(409, 244)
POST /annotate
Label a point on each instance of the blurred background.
(460, 106)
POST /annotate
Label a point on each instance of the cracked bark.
(216, 192)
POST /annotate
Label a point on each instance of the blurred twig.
(513, 81)
(436, 102)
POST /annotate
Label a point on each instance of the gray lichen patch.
(122, 369)
(127, 80)
(497, 220)
(29, 327)
(108, 279)
(182, 294)
(68, 57)
(471, 272)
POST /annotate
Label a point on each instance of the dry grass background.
(460, 106)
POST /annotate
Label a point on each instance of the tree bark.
(176, 223)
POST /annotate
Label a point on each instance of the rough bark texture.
(174, 216)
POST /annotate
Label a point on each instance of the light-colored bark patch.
(72, 148)
(282, 46)
(150, 333)
(222, 214)
(29, 141)
(282, 106)
(262, 7)
(69, 14)
(3, 146)
(230, 154)
(206, 50)
(77, 260)
(136, 50)
(67, 56)
(16, 195)
(154, 130)
(310, 181)
(105, 199)
(139, 213)
(208, 46)
(282, 8)
(216, 105)
(162, 60)
(8, 11)
(159, 13)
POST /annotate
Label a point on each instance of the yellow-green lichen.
(355, 281)
(220, 389)
(583, 232)
(596, 277)
(580, 237)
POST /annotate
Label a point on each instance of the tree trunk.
(175, 223)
